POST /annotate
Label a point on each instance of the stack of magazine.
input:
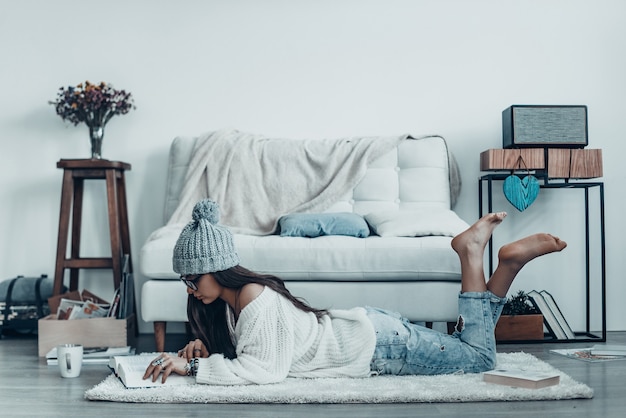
(598, 352)
(552, 316)
(74, 305)
(81, 309)
(124, 298)
(95, 355)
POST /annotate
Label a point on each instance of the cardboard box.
(92, 332)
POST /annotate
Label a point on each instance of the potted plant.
(520, 320)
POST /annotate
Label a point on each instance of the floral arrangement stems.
(94, 105)
(96, 134)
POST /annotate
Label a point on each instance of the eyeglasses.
(192, 282)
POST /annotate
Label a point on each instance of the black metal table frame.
(545, 183)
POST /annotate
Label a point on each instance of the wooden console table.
(75, 172)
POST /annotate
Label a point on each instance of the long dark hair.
(208, 322)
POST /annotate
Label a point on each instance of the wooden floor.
(28, 387)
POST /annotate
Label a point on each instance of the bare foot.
(470, 246)
(518, 253)
(476, 237)
(513, 256)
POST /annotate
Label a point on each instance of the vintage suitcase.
(23, 300)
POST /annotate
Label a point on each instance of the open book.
(521, 378)
(130, 370)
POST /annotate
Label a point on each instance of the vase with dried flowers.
(95, 105)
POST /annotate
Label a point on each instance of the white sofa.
(417, 276)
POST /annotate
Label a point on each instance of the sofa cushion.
(416, 300)
(326, 258)
(317, 224)
(416, 223)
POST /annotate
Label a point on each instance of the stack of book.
(552, 316)
(96, 355)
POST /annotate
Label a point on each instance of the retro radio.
(544, 126)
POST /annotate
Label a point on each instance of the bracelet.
(191, 368)
(196, 364)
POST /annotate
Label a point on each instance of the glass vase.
(96, 133)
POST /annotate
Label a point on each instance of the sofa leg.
(159, 335)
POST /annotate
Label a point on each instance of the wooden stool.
(74, 174)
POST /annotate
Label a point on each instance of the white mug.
(70, 359)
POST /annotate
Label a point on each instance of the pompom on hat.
(204, 246)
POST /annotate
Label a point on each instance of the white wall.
(305, 69)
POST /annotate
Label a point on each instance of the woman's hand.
(166, 365)
(193, 349)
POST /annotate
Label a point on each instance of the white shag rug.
(379, 389)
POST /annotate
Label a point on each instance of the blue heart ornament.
(521, 193)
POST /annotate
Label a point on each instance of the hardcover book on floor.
(522, 378)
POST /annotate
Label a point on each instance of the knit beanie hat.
(204, 246)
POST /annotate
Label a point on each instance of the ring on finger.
(157, 362)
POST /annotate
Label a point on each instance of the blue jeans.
(404, 348)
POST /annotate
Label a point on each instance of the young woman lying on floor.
(251, 330)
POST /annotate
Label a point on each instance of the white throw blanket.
(256, 179)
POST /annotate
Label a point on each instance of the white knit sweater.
(274, 339)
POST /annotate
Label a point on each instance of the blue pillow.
(317, 224)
